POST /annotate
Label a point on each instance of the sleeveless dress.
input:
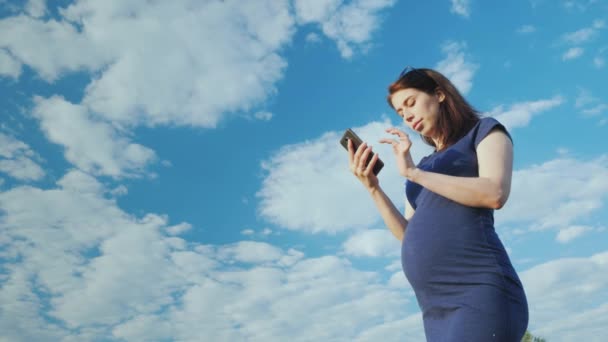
(464, 282)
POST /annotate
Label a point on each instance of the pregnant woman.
(465, 284)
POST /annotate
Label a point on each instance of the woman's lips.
(417, 125)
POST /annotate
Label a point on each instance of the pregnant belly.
(455, 247)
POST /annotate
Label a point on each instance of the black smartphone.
(349, 134)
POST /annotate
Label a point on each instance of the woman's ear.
(440, 95)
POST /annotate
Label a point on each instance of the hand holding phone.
(349, 134)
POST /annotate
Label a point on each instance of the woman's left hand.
(401, 150)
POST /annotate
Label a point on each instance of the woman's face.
(418, 109)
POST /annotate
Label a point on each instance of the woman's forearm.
(393, 219)
(469, 191)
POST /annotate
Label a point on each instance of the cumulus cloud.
(349, 24)
(36, 8)
(456, 67)
(9, 66)
(556, 194)
(16, 159)
(218, 58)
(567, 298)
(308, 186)
(92, 144)
(520, 114)
(372, 243)
(73, 256)
(200, 46)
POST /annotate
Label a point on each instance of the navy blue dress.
(464, 282)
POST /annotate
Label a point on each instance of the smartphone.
(352, 136)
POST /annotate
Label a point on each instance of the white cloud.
(308, 186)
(91, 144)
(456, 67)
(264, 116)
(596, 110)
(580, 36)
(526, 29)
(584, 98)
(315, 11)
(179, 228)
(599, 62)
(568, 234)
(249, 252)
(247, 231)
(199, 46)
(36, 8)
(520, 114)
(313, 38)
(580, 5)
(372, 243)
(461, 7)
(350, 25)
(556, 193)
(9, 66)
(573, 53)
(108, 275)
(16, 159)
(50, 47)
(567, 298)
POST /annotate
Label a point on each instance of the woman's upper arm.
(495, 160)
(409, 210)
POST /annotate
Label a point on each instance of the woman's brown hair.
(456, 116)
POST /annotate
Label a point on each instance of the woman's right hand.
(356, 160)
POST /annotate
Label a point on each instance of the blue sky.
(171, 170)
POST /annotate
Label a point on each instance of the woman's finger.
(371, 164)
(351, 152)
(363, 158)
(358, 153)
(388, 141)
(396, 132)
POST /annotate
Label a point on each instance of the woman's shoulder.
(484, 126)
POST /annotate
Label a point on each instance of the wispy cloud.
(456, 66)
(583, 35)
(579, 5)
(596, 110)
(520, 114)
(461, 7)
(568, 234)
(588, 104)
(573, 53)
(525, 29)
